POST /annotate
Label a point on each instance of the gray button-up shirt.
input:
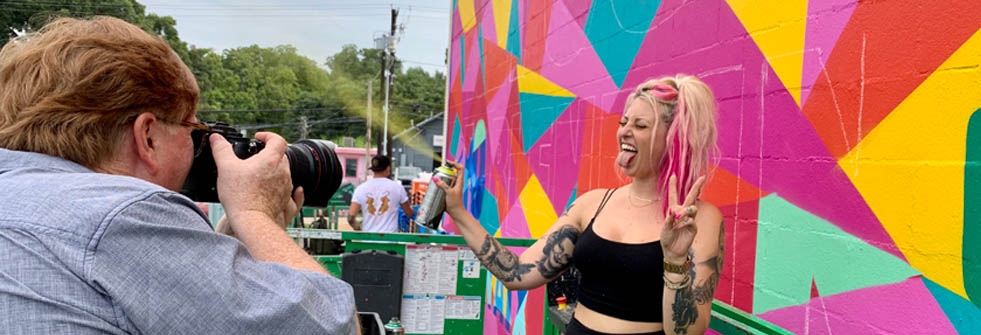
(91, 253)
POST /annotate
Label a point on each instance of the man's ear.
(145, 132)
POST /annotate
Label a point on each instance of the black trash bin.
(377, 280)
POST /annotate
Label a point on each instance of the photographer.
(95, 123)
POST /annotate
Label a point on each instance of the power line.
(422, 63)
(317, 109)
(287, 124)
(355, 10)
(231, 7)
(192, 16)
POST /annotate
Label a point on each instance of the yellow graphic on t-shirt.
(384, 207)
(371, 200)
(370, 205)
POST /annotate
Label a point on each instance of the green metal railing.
(726, 319)
(397, 237)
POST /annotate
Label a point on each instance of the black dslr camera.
(313, 165)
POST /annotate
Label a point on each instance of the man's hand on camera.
(258, 185)
(256, 195)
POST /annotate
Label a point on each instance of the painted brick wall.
(850, 176)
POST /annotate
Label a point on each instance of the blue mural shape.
(617, 28)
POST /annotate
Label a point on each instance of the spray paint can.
(394, 327)
(433, 203)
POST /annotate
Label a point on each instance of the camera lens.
(314, 165)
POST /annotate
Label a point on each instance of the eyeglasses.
(194, 125)
(199, 133)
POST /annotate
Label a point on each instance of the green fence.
(725, 318)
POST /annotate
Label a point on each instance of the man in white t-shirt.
(377, 199)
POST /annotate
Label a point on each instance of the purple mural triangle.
(499, 136)
(514, 224)
(487, 26)
(825, 21)
(473, 62)
(555, 156)
(571, 62)
(578, 9)
(455, 49)
(761, 127)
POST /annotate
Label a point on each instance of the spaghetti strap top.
(622, 280)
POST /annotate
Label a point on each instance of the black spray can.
(431, 209)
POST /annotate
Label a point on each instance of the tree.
(250, 85)
(18, 17)
(419, 93)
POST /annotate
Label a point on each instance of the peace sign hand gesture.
(679, 228)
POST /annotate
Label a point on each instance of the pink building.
(353, 164)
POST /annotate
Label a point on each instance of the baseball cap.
(380, 163)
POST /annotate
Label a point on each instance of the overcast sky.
(316, 28)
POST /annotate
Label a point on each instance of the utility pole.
(389, 65)
(367, 129)
(304, 128)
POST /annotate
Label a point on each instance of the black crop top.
(622, 280)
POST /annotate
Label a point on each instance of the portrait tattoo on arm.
(557, 253)
(501, 262)
(685, 311)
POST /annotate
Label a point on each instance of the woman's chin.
(633, 171)
(630, 170)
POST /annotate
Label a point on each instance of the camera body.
(313, 165)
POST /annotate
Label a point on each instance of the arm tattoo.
(501, 261)
(557, 253)
(706, 292)
(685, 312)
(566, 212)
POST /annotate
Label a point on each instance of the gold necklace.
(647, 202)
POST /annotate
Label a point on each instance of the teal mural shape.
(463, 59)
(572, 197)
(971, 250)
(616, 29)
(514, 32)
(794, 247)
(479, 135)
(965, 317)
(538, 112)
(488, 214)
(456, 139)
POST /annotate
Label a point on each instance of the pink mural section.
(899, 304)
(536, 89)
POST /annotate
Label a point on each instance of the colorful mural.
(850, 133)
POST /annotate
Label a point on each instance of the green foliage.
(265, 88)
(26, 16)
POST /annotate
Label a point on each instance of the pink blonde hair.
(688, 108)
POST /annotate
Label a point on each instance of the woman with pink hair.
(649, 260)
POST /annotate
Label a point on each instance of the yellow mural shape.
(777, 27)
(502, 17)
(538, 209)
(910, 168)
(531, 82)
(467, 18)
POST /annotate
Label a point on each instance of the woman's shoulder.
(584, 206)
(593, 196)
(709, 212)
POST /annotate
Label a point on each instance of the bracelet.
(677, 286)
(679, 269)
